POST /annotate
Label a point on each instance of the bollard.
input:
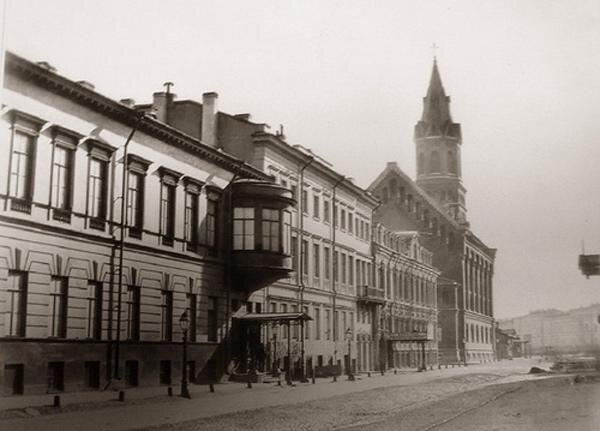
(382, 372)
(313, 378)
(170, 391)
(439, 366)
(368, 374)
(334, 378)
(56, 401)
(279, 382)
(249, 384)
(395, 372)
(121, 396)
(211, 387)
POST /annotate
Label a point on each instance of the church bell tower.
(438, 141)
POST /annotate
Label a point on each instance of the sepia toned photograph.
(299, 215)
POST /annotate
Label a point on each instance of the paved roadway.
(324, 405)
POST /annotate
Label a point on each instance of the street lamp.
(349, 338)
(184, 323)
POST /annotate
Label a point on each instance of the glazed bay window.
(271, 229)
(243, 228)
(62, 177)
(16, 304)
(58, 306)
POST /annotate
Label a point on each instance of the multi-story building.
(408, 325)
(435, 206)
(331, 242)
(90, 293)
(556, 331)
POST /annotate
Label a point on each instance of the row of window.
(477, 333)
(343, 218)
(261, 228)
(345, 268)
(62, 184)
(405, 286)
(314, 329)
(17, 303)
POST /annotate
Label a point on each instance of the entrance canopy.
(274, 317)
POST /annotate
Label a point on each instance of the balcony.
(261, 234)
(370, 295)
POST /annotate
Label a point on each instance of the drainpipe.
(376, 317)
(124, 196)
(228, 261)
(301, 266)
(333, 273)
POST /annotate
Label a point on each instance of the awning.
(274, 317)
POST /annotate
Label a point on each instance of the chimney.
(130, 103)
(86, 84)
(209, 119)
(47, 66)
(162, 103)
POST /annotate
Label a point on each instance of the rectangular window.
(191, 219)
(211, 317)
(328, 324)
(133, 312)
(167, 315)
(56, 376)
(97, 189)
(165, 373)
(316, 261)
(167, 213)
(367, 232)
(271, 225)
(316, 209)
(350, 270)
(287, 232)
(131, 373)
(343, 219)
(326, 263)
(326, 215)
(362, 229)
(294, 253)
(304, 252)
(192, 309)
(344, 269)
(336, 271)
(21, 166)
(135, 203)
(92, 374)
(94, 325)
(62, 178)
(317, 323)
(16, 304)
(336, 325)
(294, 190)
(335, 216)
(357, 226)
(284, 309)
(296, 326)
(243, 228)
(212, 209)
(304, 201)
(14, 378)
(58, 306)
(350, 223)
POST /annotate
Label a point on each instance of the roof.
(274, 317)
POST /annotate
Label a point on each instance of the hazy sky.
(346, 79)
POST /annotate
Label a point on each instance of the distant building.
(435, 206)
(556, 331)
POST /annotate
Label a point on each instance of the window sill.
(62, 215)
(168, 241)
(97, 223)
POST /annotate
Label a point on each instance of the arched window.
(434, 162)
(421, 163)
(452, 168)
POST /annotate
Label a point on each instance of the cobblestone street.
(325, 405)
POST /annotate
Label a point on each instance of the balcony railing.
(370, 294)
(21, 205)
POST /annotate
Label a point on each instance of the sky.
(347, 78)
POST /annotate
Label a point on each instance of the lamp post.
(349, 338)
(184, 323)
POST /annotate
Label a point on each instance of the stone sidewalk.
(147, 407)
